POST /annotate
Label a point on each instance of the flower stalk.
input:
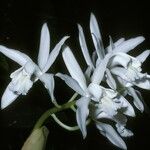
(54, 110)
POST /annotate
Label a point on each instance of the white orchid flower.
(100, 51)
(106, 101)
(24, 77)
(111, 106)
(77, 82)
(109, 102)
(127, 69)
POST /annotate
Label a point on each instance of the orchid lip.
(23, 78)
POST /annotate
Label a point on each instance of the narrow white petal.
(48, 81)
(15, 55)
(98, 61)
(72, 83)
(98, 73)
(111, 134)
(130, 44)
(143, 56)
(112, 46)
(8, 97)
(88, 73)
(95, 90)
(44, 47)
(82, 114)
(129, 109)
(96, 36)
(84, 48)
(146, 107)
(137, 102)
(54, 53)
(110, 80)
(74, 68)
(120, 41)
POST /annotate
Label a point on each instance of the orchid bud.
(37, 139)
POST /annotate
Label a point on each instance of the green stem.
(54, 110)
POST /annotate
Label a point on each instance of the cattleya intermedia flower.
(24, 77)
(121, 71)
(97, 101)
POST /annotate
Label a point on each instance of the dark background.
(20, 25)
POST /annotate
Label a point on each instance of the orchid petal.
(48, 80)
(137, 102)
(82, 114)
(102, 115)
(111, 134)
(110, 93)
(130, 44)
(112, 46)
(129, 109)
(98, 73)
(16, 72)
(54, 53)
(146, 107)
(44, 47)
(143, 56)
(110, 80)
(88, 73)
(120, 41)
(96, 91)
(143, 83)
(15, 55)
(96, 36)
(8, 97)
(72, 83)
(98, 61)
(123, 131)
(121, 72)
(84, 48)
(120, 59)
(74, 68)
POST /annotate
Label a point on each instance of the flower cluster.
(110, 77)
(118, 71)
